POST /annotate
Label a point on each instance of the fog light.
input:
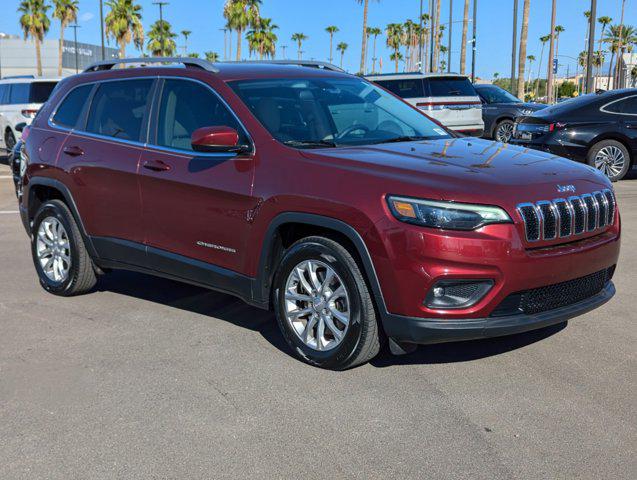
(449, 294)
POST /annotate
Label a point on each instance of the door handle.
(156, 166)
(73, 151)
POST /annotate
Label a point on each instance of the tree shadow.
(232, 310)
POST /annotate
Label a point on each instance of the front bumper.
(427, 331)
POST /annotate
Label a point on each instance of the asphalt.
(147, 378)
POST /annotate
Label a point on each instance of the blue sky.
(204, 19)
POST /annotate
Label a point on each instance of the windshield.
(495, 94)
(324, 112)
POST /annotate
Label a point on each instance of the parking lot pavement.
(147, 378)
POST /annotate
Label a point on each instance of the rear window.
(40, 91)
(71, 107)
(19, 93)
(450, 87)
(411, 88)
(118, 109)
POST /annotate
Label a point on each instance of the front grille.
(566, 217)
(554, 296)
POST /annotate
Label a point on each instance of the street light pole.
(432, 28)
(549, 76)
(102, 28)
(161, 24)
(591, 46)
(514, 46)
(75, 27)
(420, 38)
(449, 47)
(473, 47)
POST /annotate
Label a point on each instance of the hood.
(465, 170)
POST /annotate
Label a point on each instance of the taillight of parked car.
(556, 126)
(29, 112)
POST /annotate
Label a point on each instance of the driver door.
(194, 204)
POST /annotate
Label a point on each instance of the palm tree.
(531, 59)
(161, 39)
(365, 4)
(124, 23)
(241, 14)
(598, 61)
(396, 57)
(523, 41)
(619, 43)
(394, 32)
(496, 75)
(543, 39)
(604, 22)
(633, 75)
(262, 38)
(621, 39)
(332, 29)
(374, 32)
(341, 47)
(35, 24)
(410, 40)
(463, 45)
(212, 56)
(66, 12)
(299, 38)
(186, 34)
(193, 55)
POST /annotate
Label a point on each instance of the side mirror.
(216, 139)
(20, 127)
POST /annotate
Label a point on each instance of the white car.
(446, 97)
(20, 100)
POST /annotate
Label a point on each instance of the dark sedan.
(599, 129)
(499, 109)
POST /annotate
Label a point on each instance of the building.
(628, 70)
(17, 56)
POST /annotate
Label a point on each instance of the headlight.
(448, 215)
(526, 112)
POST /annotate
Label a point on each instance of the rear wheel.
(59, 255)
(611, 158)
(503, 131)
(323, 306)
(9, 140)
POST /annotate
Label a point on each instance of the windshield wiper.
(404, 138)
(310, 143)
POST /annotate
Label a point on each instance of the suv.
(314, 193)
(448, 98)
(20, 100)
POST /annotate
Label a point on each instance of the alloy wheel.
(504, 132)
(317, 305)
(610, 160)
(9, 140)
(53, 249)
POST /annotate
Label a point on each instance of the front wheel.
(611, 158)
(504, 131)
(323, 306)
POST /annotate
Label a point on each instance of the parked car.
(20, 100)
(16, 164)
(448, 98)
(499, 109)
(599, 129)
(314, 193)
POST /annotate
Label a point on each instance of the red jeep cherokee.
(315, 193)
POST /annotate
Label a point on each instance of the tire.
(360, 341)
(80, 277)
(9, 140)
(611, 158)
(503, 131)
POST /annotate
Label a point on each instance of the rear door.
(195, 204)
(102, 155)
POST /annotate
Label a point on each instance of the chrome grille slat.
(567, 217)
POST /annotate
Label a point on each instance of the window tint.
(185, 107)
(71, 107)
(4, 94)
(627, 105)
(404, 88)
(118, 108)
(19, 93)
(494, 94)
(450, 87)
(40, 91)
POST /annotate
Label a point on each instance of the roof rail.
(145, 61)
(300, 63)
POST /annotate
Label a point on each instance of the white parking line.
(6, 176)
(8, 212)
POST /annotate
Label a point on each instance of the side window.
(404, 88)
(4, 94)
(186, 106)
(627, 106)
(70, 109)
(19, 93)
(118, 109)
